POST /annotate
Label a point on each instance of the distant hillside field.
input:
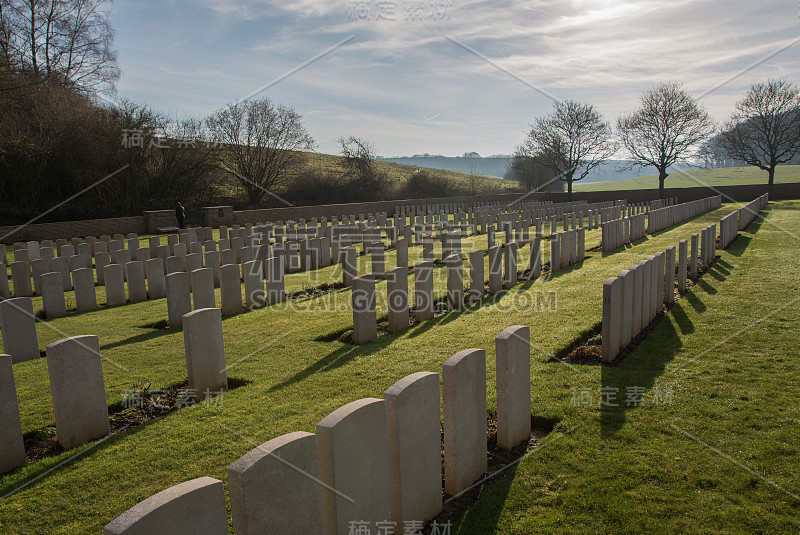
(489, 166)
(497, 166)
(400, 173)
(728, 176)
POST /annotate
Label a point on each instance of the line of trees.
(59, 142)
(670, 126)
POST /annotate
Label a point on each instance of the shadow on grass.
(335, 359)
(695, 301)
(43, 468)
(701, 282)
(444, 319)
(628, 385)
(718, 272)
(684, 323)
(45, 455)
(144, 337)
(484, 519)
(625, 247)
(561, 272)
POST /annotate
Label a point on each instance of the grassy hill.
(398, 174)
(729, 176)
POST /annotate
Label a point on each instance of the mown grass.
(720, 456)
(730, 176)
(621, 470)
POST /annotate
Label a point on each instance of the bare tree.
(668, 128)
(359, 156)
(262, 143)
(571, 140)
(764, 130)
(531, 174)
(472, 168)
(366, 180)
(67, 41)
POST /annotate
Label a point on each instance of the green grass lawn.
(731, 176)
(618, 470)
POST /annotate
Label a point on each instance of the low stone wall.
(216, 216)
(295, 213)
(728, 193)
(70, 229)
(157, 219)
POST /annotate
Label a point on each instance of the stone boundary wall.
(295, 213)
(158, 219)
(71, 229)
(225, 215)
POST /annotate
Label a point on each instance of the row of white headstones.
(371, 461)
(633, 298)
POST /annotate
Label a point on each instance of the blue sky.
(409, 78)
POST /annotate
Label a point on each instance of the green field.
(713, 448)
(397, 175)
(730, 176)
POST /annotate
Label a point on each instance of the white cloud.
(396, 74)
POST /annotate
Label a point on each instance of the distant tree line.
(69, 150)
(670, 126)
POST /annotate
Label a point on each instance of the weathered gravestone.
(365, 319)
(464, 400)
(205, 352)
(476, 276)
(53, 296)
(85, 297)
(352, 446)
(397, 293)
(156, 284)
(179, 300)
(137, 288)
(78, 390)
(190, 508)
(18, 326)
(12, 445)
(21, 278)
(230, 289)
(202, 283)
(414, 437)
(423, 291)
(513, 381)
(274, 488)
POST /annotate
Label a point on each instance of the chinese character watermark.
(132, 139)
(388, 527)
(610, 396)
(388, 10)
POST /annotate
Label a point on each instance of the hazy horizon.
(453, 75)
